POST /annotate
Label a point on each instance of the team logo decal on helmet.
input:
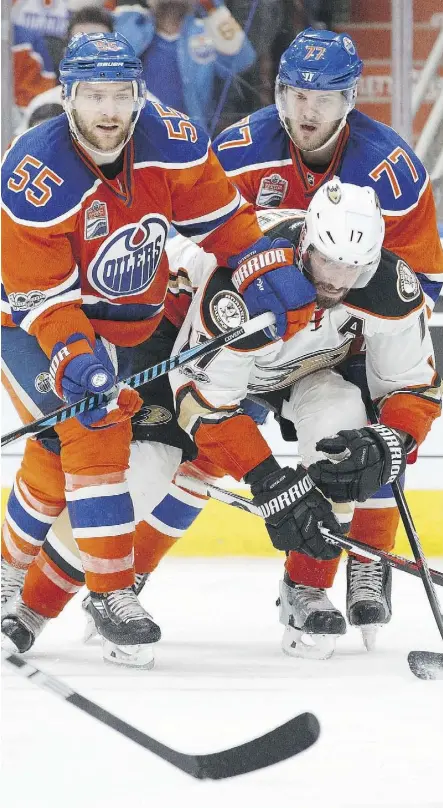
(333, 193)
(127, 261)
(349, 45)
(407, 283)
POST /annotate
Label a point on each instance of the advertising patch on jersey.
(201, 49)
(24, 301)
(96, 220)
(228, 310)
(333, 193)
(408, 285)
(127, 261)
(43, 382)
(153, 416)
(272, 191)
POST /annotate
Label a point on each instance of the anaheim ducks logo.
(153, 415)
(333, 193)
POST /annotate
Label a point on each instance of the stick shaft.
(91, 402)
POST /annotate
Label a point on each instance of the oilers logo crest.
(127, 261)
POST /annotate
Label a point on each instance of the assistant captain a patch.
(272, 191)
(96, 220)
(408, 285)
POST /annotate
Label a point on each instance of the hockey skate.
(13, 579)
(312, 623)
(21, 626)
(368, 597)
(127, 630)
(90, 630)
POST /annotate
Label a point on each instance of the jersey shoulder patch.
(165, 137)
(394, 291)
(377, 156)
(43, 178)
(222, 308)
(256, 140)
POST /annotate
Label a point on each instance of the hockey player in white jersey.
(364, 293)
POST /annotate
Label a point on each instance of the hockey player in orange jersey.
(88, 199)
(280, 156)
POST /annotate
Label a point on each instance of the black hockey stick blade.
(426, 664)
(281, 743)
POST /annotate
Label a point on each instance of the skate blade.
(297, 643)
(129, 656)
(369, 635)
(90, 630)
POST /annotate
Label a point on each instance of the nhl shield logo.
(96, 220)
(272, 191)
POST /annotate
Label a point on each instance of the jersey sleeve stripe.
(411, 207)
(209, 217)
(27, 321)
(258, 167)
(168, 166)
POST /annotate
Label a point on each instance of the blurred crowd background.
(217, 61)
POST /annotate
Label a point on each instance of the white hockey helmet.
(344, 223)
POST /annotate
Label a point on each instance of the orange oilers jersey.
(32, 66)
(267, 168)
(82, 253)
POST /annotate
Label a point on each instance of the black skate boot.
(368, 597)
(90, 629)
(312, 621)
(127, 629)
(22, 626)
(13, 579)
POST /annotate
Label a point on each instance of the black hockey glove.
(367, 459)
(293, 509)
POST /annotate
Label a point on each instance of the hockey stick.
(138, 379)
(423, 664)
(351, 545)
(279, 744)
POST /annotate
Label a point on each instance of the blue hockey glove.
(267, 278)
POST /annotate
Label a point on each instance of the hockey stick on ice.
(279, 744)
(424, 664)
(351, 545)
(138, 379)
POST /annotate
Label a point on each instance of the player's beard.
(327, 301)
(309, 136)
(105, 141)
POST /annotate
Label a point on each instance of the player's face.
(332, 279)
(311, 116)
(103, 112)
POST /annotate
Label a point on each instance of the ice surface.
(220, 679)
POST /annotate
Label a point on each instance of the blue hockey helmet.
(320, 60)
(100, 57)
